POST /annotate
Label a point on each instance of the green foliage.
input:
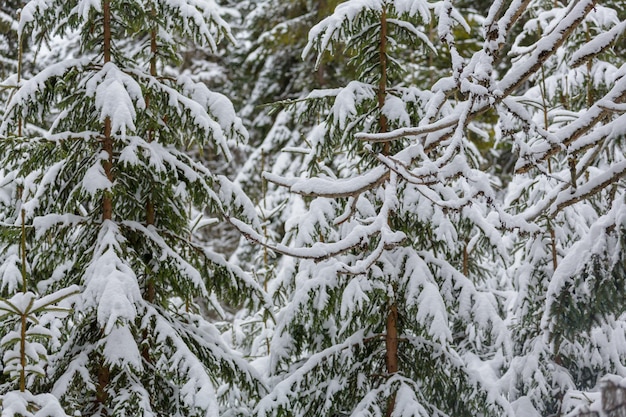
(116, 127)
(391, 251)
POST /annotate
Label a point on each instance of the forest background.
(312, 208)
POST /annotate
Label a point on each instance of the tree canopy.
(393, 208)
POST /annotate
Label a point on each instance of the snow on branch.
(597, 45)
(202, 17)
(545, 47)
(319, 251)
(571, 265)
(344, 21)
(289, 387)
(239, 278)
(27, 404)
(332, 188)
(512, 80)
(196, 108)
(193, 349)
(115, 92)
(590, 188)
(167, 254)
(31, 89)
(446, 122)
(111, 286)
(570, 134)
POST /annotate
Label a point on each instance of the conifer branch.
(510, 83)
(321, 188)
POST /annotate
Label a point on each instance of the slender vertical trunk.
(546, 123)
(107, 146)
(150, 210)
(391, 345)
(103, 380)
(265, 234)
(391, 336)
(24, 321)
(106, 22)
(382, 83)
(322, 10)
(553, 249)
(466, 259)
(23, 252)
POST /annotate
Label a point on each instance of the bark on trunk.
(391, 345)
(391, 337)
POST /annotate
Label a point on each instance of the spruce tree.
(106, 190)
(272, 81)
(569, 312)
(30, 326)
(386, 314)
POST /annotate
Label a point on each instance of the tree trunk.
(391, 345)
(391, 337)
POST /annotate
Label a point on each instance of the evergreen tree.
(569, 311)
(30, 325)
(273, 76)
(273, 36)
(105, 190)
(386, 314)
(272, 81)
(404, 283)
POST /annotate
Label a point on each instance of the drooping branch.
(565, 194)
(494, 28)
(570, 134)
(321, 250)
(512, 81)
(545, 47)
(441, 124)
(332, 188)
(585, 191)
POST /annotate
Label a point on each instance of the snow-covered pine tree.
(386, 315)
(568, 315)
(105, 190)
(273, 35)
(29, 323)
(273, 76)
(29, 326)
(272, 79)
